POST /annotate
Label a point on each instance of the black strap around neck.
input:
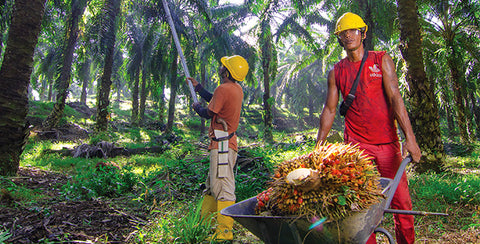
(351, 96)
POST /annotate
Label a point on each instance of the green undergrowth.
(18, 193)
(40, 111)
(177, 223)
(168, 186)
(103, 181)
(463, 156)
(438, 190)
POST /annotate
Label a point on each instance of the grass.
(100, 182)
(168, 186)
(446, 188)
(180, 224)
(40, 111)
(20, 193)
(4, 235)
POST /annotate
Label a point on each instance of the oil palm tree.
(84, 75)
(267, 13)
(136, 38)
(77, 9)
(14, 79)
(424, 108)
(112, 10)
(142, 36)
(286, 16)
(302, 86)
(176, 9)
(47, 58)
(456, 26)
(6, 16)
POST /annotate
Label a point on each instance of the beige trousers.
(221, 188)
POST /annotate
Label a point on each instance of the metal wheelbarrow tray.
(355, 228)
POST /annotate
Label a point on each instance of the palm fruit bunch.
(332, 181)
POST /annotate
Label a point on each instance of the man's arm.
(329, 109)
(203, 112)
(199, 88)
(390, 84)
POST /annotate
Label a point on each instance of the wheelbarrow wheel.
(386, 233)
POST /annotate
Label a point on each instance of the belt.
(224, 138)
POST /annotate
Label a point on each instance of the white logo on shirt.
(376, 72)
(374, 68)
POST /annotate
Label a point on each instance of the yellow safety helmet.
(349, 21)
(236, 65)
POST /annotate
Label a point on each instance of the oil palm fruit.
(332, 181)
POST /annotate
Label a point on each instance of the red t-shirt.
(226, 103)
(369, 119)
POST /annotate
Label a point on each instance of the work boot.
(225, 223)
(209, 207)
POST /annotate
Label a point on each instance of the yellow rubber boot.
(225, 223)
(209, 207)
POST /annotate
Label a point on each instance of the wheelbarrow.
(355, 228)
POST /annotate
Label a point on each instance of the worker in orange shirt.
(224, 107)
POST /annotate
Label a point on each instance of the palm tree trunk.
(470, 117)
(143, 97)
(448, 115)
(476, 111)
(15, 79)
(103, 96)
(253, 95)
(83, 95)
(424, 114)
(266, 39)
(136, 81)
(71, 35)
(50, 92)
(85, 79)
(119, 91)
(203, 73)
(173, 92)
(364, 6)
(43, 90)
(458, 96)
(160, 96)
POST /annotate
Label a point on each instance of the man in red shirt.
(224, 107)
(371, 121)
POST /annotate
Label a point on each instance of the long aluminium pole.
(179, 49)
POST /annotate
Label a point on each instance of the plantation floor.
(63, 221)
(113, 221)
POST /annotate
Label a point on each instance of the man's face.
(222, 72)
(351, 39)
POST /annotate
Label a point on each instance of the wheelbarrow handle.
(396, 180)
(411, 212)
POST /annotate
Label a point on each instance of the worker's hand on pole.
(193, 81)
(196, 105)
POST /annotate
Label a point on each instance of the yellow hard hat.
(236, 65)
(349, 21)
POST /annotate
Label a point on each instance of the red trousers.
(388, 158)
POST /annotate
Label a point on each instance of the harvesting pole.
(179, 49)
